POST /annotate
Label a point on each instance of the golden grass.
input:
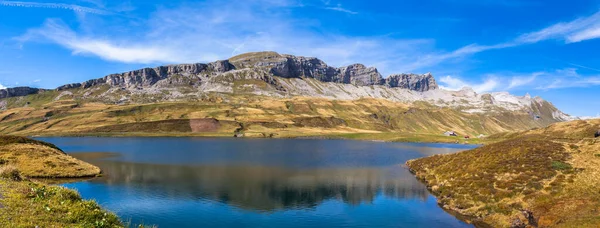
(45, 162)
(69, 117)
(547, 177)
(26, 203)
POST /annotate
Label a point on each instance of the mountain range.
(283, 77)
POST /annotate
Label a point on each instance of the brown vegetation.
(542, 177)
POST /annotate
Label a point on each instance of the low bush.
(10, 172)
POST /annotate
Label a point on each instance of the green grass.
(30, 204)
(27, 203)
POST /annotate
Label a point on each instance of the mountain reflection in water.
(218, 182)
(264, 188)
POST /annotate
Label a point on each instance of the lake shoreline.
(264, 173)
(477, 222)
(373, 137)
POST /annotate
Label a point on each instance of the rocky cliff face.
(415, 82)
(17, 92)
(275, 75)
(284, 66)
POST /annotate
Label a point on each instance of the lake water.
(223, 182)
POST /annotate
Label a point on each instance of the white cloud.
(57, 32)
(518, 81)
(584, 28)
(72, 7)
(558, 79)
(2, 87)
(453, 83)
(212, 30)
(339, 8)
(578, 30)
(560, 82)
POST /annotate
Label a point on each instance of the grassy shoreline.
(27, 202)
(546, 177)
(378, 137)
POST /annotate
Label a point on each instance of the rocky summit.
(266, 63)
(18, 92)
(282, 76)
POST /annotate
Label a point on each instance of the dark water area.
(223, 182)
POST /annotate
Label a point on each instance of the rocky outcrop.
(147, 77)
(414, 82)
(360, 75)
(69, 86)
(285, 66)
(289, 66)
(18, 92)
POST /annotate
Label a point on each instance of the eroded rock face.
(360, 75)
(289, 66)
(285, 66)
(18, 92)
(424, 82)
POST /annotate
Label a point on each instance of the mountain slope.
(545, 177)
(236, 92)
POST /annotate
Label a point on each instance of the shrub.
(10, 172)
(561, 165)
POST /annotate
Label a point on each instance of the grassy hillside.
(27, 203)
(258, 116)
(543, 177)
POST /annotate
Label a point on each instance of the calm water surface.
(218, 182)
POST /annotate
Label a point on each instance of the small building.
(450, 133)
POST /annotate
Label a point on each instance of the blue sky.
(542, 47)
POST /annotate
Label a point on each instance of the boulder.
(597, 134)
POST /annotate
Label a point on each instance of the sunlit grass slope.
(28, 203)
(547, 177)
(259, 116)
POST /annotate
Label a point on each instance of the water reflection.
(263, 188)
(191, 182)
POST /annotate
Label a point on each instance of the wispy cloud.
(212, 30)
(56, 31)
(580, 29)
(518, 81)
(546, 80)
(72, 7)
(560, 82)
(339, 8)
(455, 83)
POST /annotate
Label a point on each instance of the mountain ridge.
(281, 76)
